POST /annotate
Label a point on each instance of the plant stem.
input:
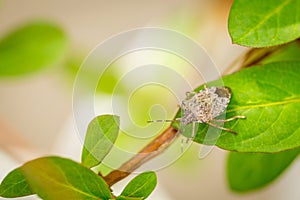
(154, 148)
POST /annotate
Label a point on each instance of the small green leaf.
(31, 48)
(140, 187)
(247, 171)
(100, 137)
(269, 97)
(53, 178)
(260, 23)
(15, 185)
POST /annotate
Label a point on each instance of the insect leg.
(193, 130)
(222, 128)
(181, 145)
(229, 119)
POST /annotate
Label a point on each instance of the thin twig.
(154, 148)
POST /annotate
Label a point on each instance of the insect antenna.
(229, 119)
(163, 120)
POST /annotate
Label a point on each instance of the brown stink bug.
(204, 106)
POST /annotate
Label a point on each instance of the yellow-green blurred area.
(43, 44)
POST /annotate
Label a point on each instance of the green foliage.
(31, 48)
(54, 178)
(100, 137)
(140, 187)
(266, 23)
(15, 185)
(247, 171)
(269, 97)
(260, 170)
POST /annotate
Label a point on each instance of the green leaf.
(260, 23)
(140, 187)
(15, 185)
(31, 48)
(269, 97)
(100, 137)
(247, 171)
(53, 178)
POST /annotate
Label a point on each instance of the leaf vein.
(278, 9)
(68, 186)
(264, 105)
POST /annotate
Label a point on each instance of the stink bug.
(204, 106)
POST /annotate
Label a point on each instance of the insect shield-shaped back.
(204, 105)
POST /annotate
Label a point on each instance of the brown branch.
(154, 148)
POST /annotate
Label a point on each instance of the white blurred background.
(36, 110)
